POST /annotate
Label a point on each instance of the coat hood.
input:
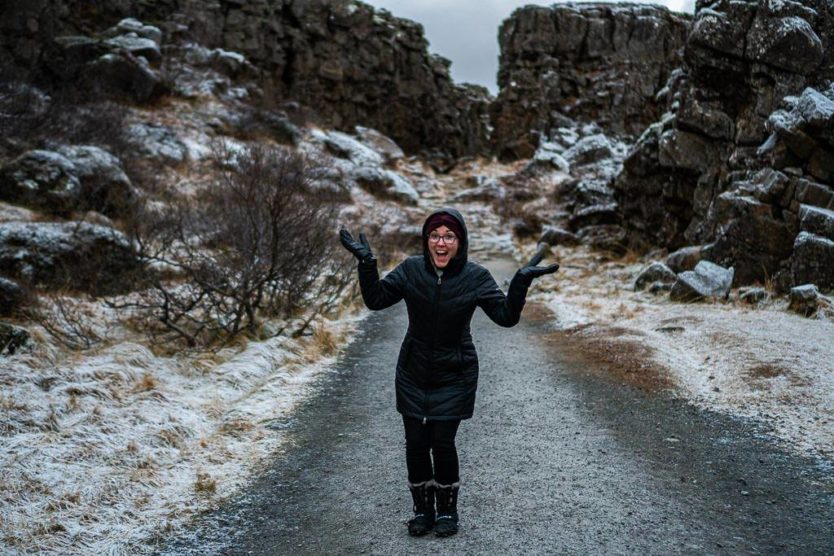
(461, 257)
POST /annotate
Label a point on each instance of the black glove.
(530, 271)
(360, 249)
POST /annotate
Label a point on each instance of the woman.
(437, 368)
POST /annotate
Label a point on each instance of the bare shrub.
(65, 319)
(256, 243)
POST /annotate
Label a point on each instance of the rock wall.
(591, 62)
(352, 64)
(743, 148)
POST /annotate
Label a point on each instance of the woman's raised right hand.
(360, 249)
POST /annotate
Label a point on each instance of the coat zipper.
(431, 347)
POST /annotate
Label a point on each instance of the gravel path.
(556, 460)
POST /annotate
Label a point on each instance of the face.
(441, 252)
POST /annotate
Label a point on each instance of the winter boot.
(423, 520)
(446, 524)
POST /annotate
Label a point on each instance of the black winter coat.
(437, 368)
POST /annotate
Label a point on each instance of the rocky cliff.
(351, 64)
(742, 161)
(591, 62)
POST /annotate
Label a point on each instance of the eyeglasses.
(448, 239)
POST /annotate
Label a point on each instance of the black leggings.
(437, 436)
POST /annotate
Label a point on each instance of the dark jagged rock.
(804, 299)
(77, 255)
(483, 188)
(605, 237)
(386, 184)
(43, 180)
(104, 185)
(77, 177)
(557, 236)
(12, 338)
(750, 237)
(353, 64)
(745, 141)
(654, 273)
(12, 296)
(158, 142)
(708, 280)
(812, 260)
(685, 258)
(593, 62)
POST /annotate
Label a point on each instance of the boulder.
(157, 142)
(588, 150)
(132, 26)
(330, 183)
(788, 43)
(595, 215)
(104, 185)
(752, 296)
(66, 55)
(685, 258)
(749, 236)
(119, 66)
(816, 109)
(654, 273)
(136, 46)
(42, 180)
(486, 188)
(12, 338)
(708, 280)
(386, 184)
(605, 237)
(12, 296)
(553, 235)
(77, 255)
(818, 221)
(74, 177)
(344, 146)
(804, 299)
(812, 260)
(548, 157)
(385, 146)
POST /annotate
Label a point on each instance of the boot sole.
(449, 534)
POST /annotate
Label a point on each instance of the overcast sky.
(466, 31)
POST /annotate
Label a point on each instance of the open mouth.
(441, 257)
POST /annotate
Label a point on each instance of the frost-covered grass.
(104, 451)
(762, 362)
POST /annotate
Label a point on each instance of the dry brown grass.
(236, 427)
(325, 341)
(145, 383)
(592, 349)
(205, 483)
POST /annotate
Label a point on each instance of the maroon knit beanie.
(444, 219)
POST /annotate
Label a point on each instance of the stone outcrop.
(707, 280)
(654, 273)
(73, 177)
(76, 255)
(745, 141)
(592, 62)
(12, 338)
(352, 64)
(12, 296)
